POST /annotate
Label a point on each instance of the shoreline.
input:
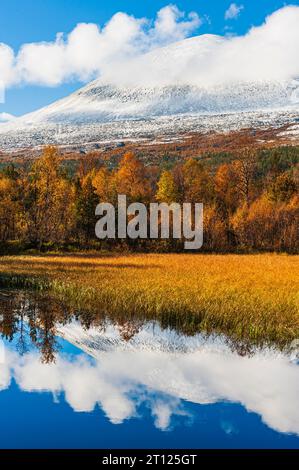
(248, 297)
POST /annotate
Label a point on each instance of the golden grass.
(251, 297)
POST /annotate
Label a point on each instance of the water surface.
(72, 380)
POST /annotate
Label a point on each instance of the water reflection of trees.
(33, 320)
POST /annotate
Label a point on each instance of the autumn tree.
(282, 188)
(49, 200)
(85, 206)
(266, 225)
(10, 205)
(227, 199)
(244, 169)
(104, 185)
(167, 189)
(227, 193)
(131, 179)
(198, 184)
(88, 163)
(215, 230)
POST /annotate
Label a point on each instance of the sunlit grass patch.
(251, 297)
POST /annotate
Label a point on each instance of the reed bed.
(250, 297)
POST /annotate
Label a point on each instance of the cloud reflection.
(150, 369)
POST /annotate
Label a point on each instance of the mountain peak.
(149, 97)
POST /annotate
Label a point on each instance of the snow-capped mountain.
(140, 337)
(116, 108)
(100, 102)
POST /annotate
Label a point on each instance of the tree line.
(44, 205)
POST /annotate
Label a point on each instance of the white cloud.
(127, 51)
(233, 11)
(5, 376)
(7, 62)
(171, 25)
(266, 53)
(88, 49)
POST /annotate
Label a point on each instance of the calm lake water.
(70, 380)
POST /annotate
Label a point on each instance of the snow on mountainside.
(148, 337)
(107, 110)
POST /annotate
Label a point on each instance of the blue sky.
(26, 21)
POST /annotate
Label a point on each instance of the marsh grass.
(248, 297)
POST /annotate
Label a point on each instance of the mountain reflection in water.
(121, 367)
